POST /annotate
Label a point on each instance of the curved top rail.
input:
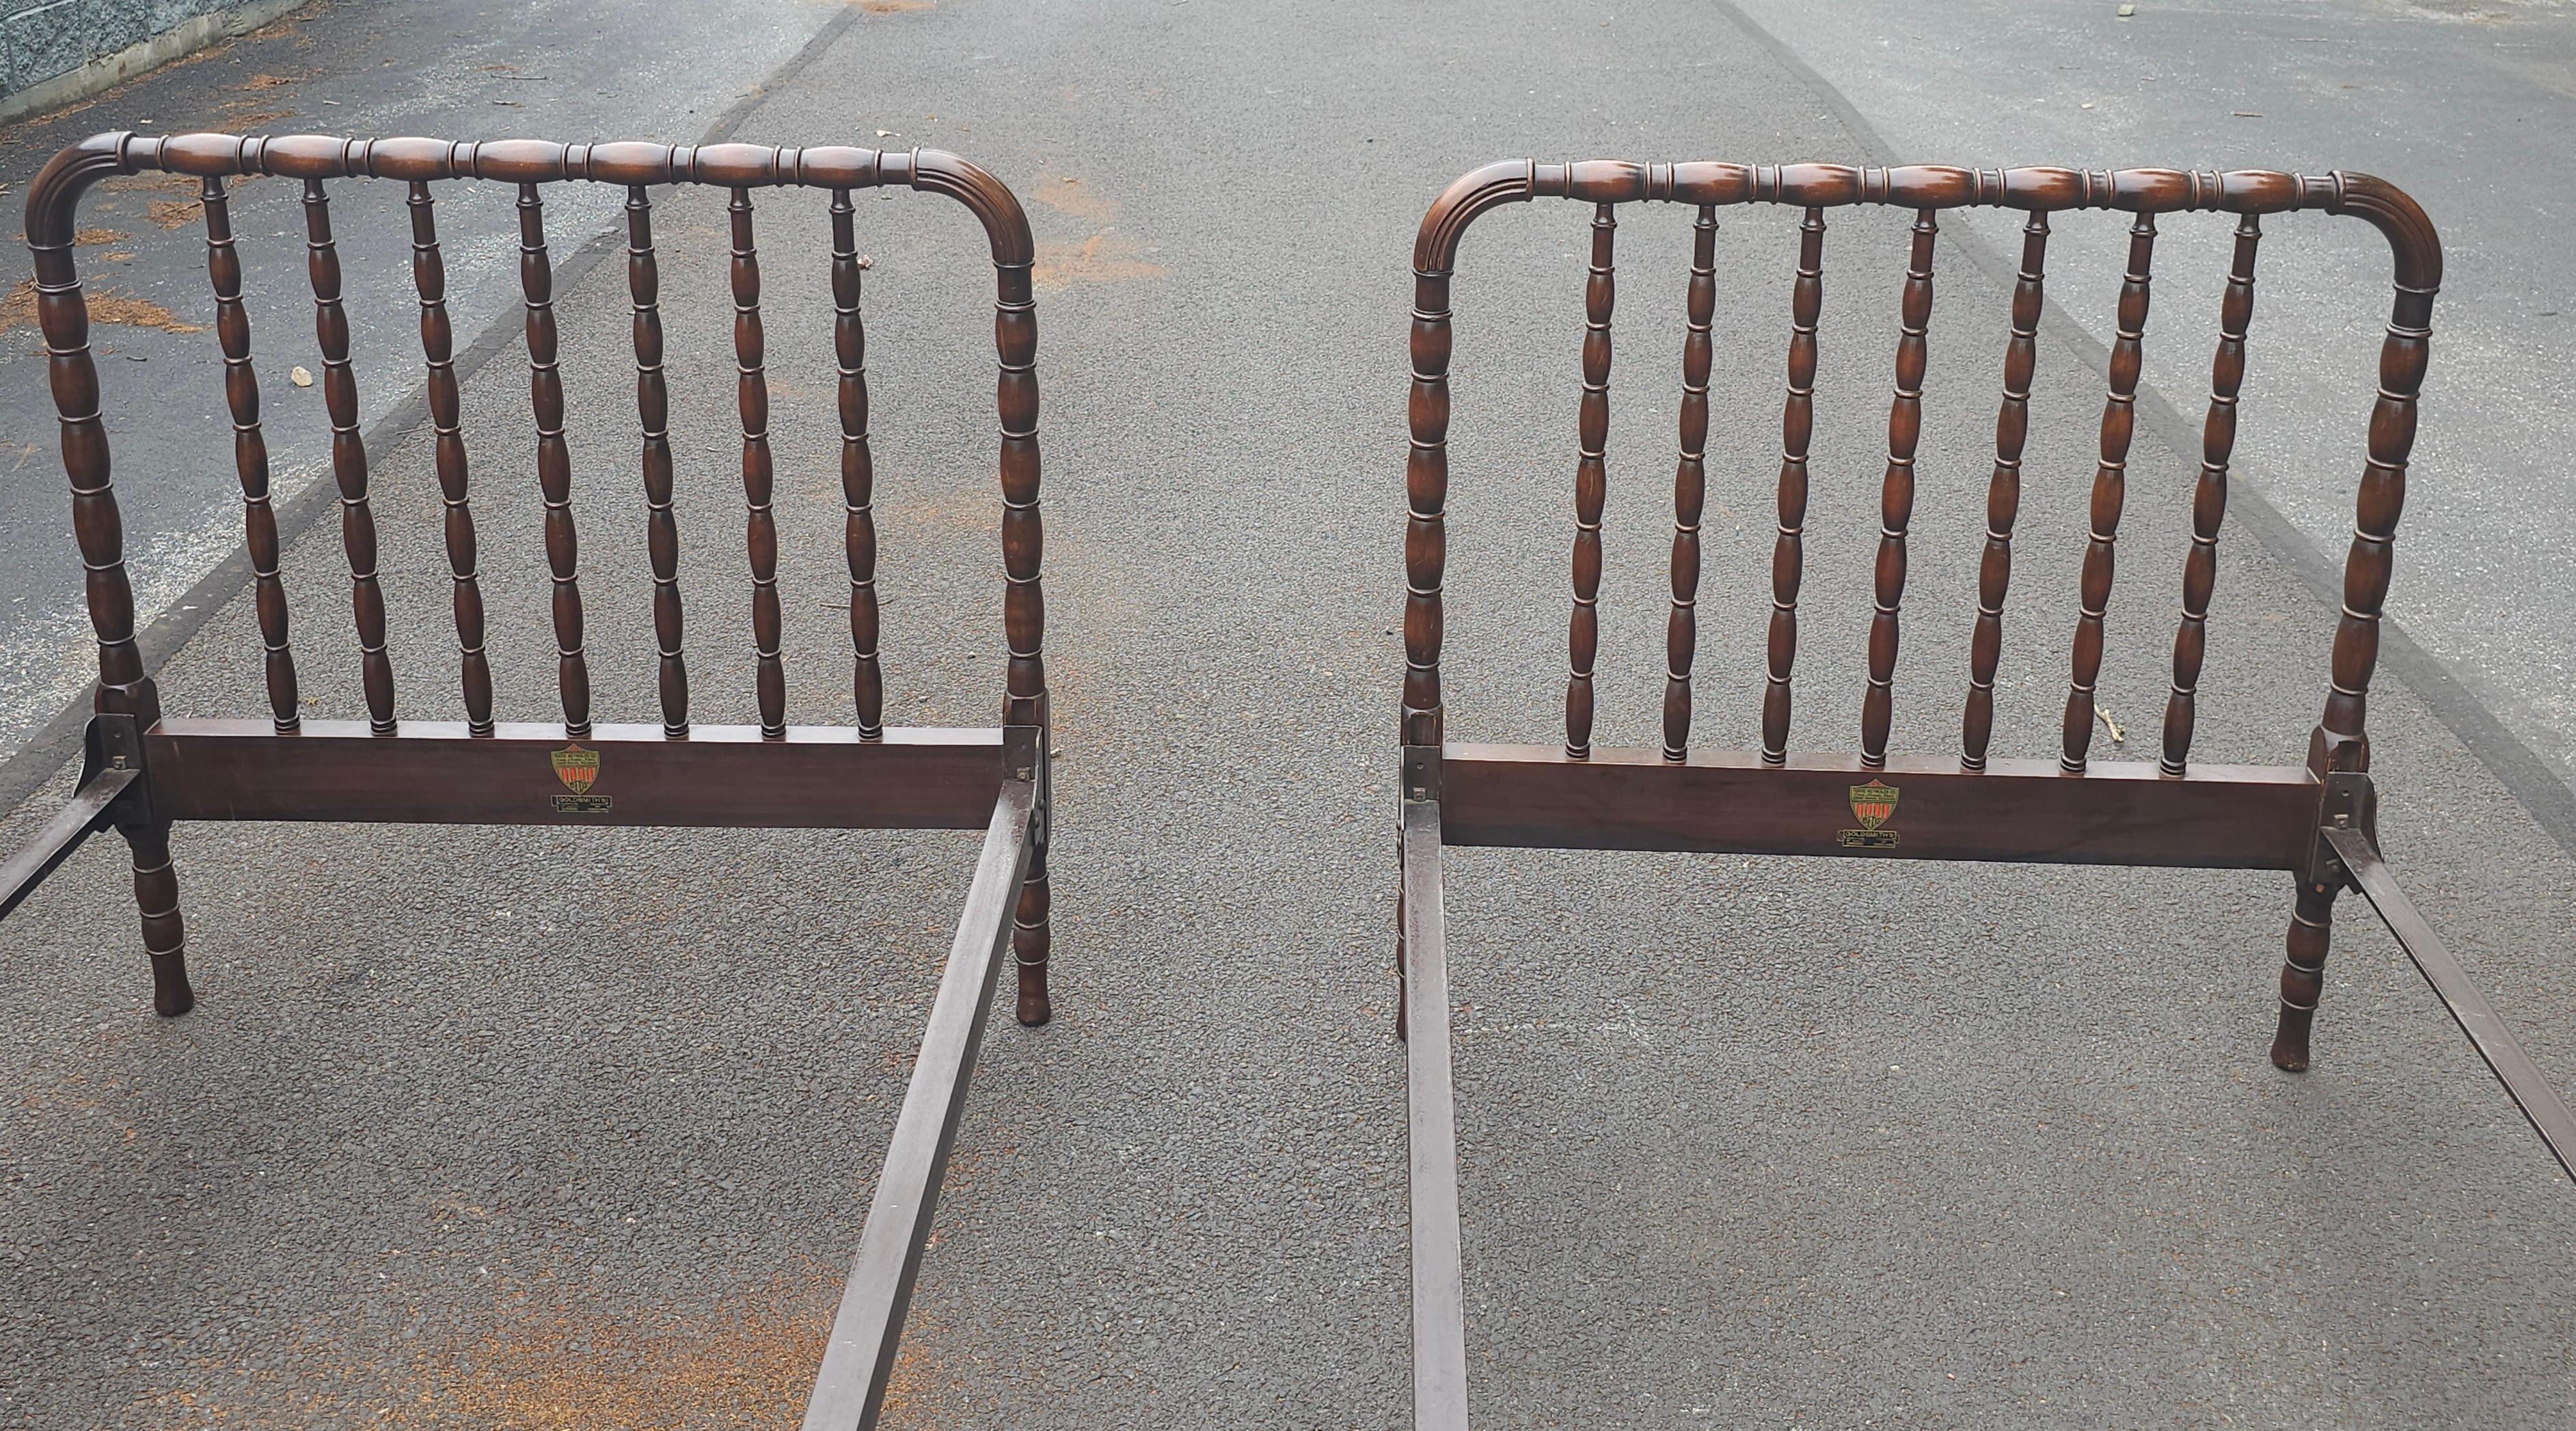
(56, 193)
(53, 202)
(2038, 189)
(2338, 742)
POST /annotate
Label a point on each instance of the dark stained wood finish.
(2548, 1112)
(1690, 487)
(156, 902)
(440, 773)
(482, 771)
(1591, 483)
(859, 1356)
(2003, 495)
(2303, 973)
(653, 414)
(1426, 496)
(1033, 933)
(348, 458)
(2110, 491)
(1797, 430)
(554, 461)
(751, 389)
(2221, 817)
(858, 468)
(1816, 187)
(2340, 742)
(91, 809)
(2311, 819)
(1896, 493)
(63, 316)
(2209, 499)
(1015, 403)
(437, 342)
(250, 452)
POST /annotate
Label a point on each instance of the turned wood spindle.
(653, 413)
(751, 389)
(348, 459)
(98, 528)
(1426, 497)
(554, 461)
(2003, 494)
(858, 469)
(2341, 740)
(1024, 702)
(2303, 974)
(2209, 498)
(156, 903)
(437, 342)
(2110, 486)
(250, 453)
(1797, 426)
(1591, 485)
(1690, 487)
(1896, 494)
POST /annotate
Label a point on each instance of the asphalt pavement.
(542, 1128)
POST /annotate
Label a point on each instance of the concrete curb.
(109, 71)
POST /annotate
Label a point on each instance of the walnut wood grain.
(2303, 974)
(439, 775)
(653, 415)
(721, 776)
(2019, 810)
(760, 527)
(156, 902)
(250, 452)
(348, 458)
(1982, 807)
(1690, 487)
(2341, 741)
(2209, 497)
(2003, 495)
(1896, 492)
(2110, 489)
(1591, 483)
(554, 461)
(1797, 430)
(2038, 191)
(858, 468)
(437, 342)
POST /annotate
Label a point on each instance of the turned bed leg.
(156, 898)
(1033, 933)
(2303, 974)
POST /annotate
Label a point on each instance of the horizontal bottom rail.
(434, 772)
(2125, 813)
(859, 1358)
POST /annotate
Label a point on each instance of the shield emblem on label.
(1871, 804)
(578, 769)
